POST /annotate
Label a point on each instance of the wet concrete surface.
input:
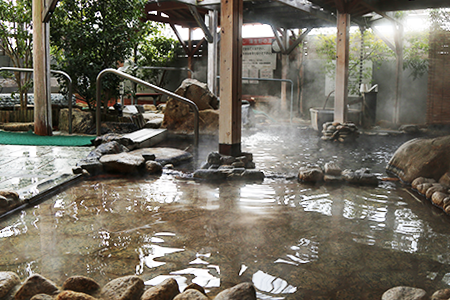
(23, 168)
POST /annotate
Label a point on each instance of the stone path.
(26, 168)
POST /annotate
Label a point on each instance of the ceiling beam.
(320, 14)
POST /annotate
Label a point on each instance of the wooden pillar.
(190, 53)
(230, 77)
(399, 72)
(342, 58)
(41, 73)
(284, 71)
(212, 52)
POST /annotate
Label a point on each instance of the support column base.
(230, 150)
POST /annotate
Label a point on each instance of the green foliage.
(16, 38)
(156, 51)
(89, 36)
(415, 54)
(374, 50)
(440, 19)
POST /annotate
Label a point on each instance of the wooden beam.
(41, 72)
(298, 40)
(180, 39)
(49, 8)
(284, 71)
(279, 40)
(398, 73)
(320, 14)
(342, 59)
(230, 77)
(201, 23)
(212, 52)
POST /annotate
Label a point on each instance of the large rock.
(199, 93)
(82, 121)
(311, 175)
(164, 155)
(191, 294)
(124, 288)
(71, 295)
(110, 137)
(243, 291)
(404, 293)
(167, 290)
(179, 117)
(122, 163)
(35, 284)
(209, 121)
(107, 148)
(9, 200)
(8, 280)
(421, 158)
(81, 284)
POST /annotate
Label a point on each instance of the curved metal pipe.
(140, 81)
(69, 80)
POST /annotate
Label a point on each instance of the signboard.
(258, 61)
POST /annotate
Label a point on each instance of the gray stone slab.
(147, 137)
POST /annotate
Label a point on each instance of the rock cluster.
(335, 131)
(114, 154)
(412, 293)
(437, 192)
(82, 121)
(9, 200)
(332, 173)
(6, 100)
(222, 167)
(37, 287)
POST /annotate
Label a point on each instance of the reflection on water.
(293, 241)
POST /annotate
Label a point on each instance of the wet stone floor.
(293, 241)
(22, 167)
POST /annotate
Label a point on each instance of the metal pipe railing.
(160, 68)
(69, 80)
(144, 83)
(168, 69)
(277, 80)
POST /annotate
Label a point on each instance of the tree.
(154, 49)
(16, 38)
(89, 36)
(374, 49)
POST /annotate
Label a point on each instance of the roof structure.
(286, 14)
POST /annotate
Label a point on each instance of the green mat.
(29, 138)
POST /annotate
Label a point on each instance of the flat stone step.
(147, 137)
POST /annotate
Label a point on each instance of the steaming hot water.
(292, 240)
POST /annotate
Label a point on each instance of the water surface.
(292, 240)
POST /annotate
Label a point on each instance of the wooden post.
(190, 54)
(230, 77)
(398, 73)
(212, 52)
(342, 58)
(41, 73)
(284, 71)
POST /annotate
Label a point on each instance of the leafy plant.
(89, 36)
(16, 38)
(374, 50)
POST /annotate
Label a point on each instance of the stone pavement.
(28, 169)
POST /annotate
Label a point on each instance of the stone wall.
(9, 101)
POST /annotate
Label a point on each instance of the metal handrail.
(277, 80)
(69, 96)
(157, 88)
